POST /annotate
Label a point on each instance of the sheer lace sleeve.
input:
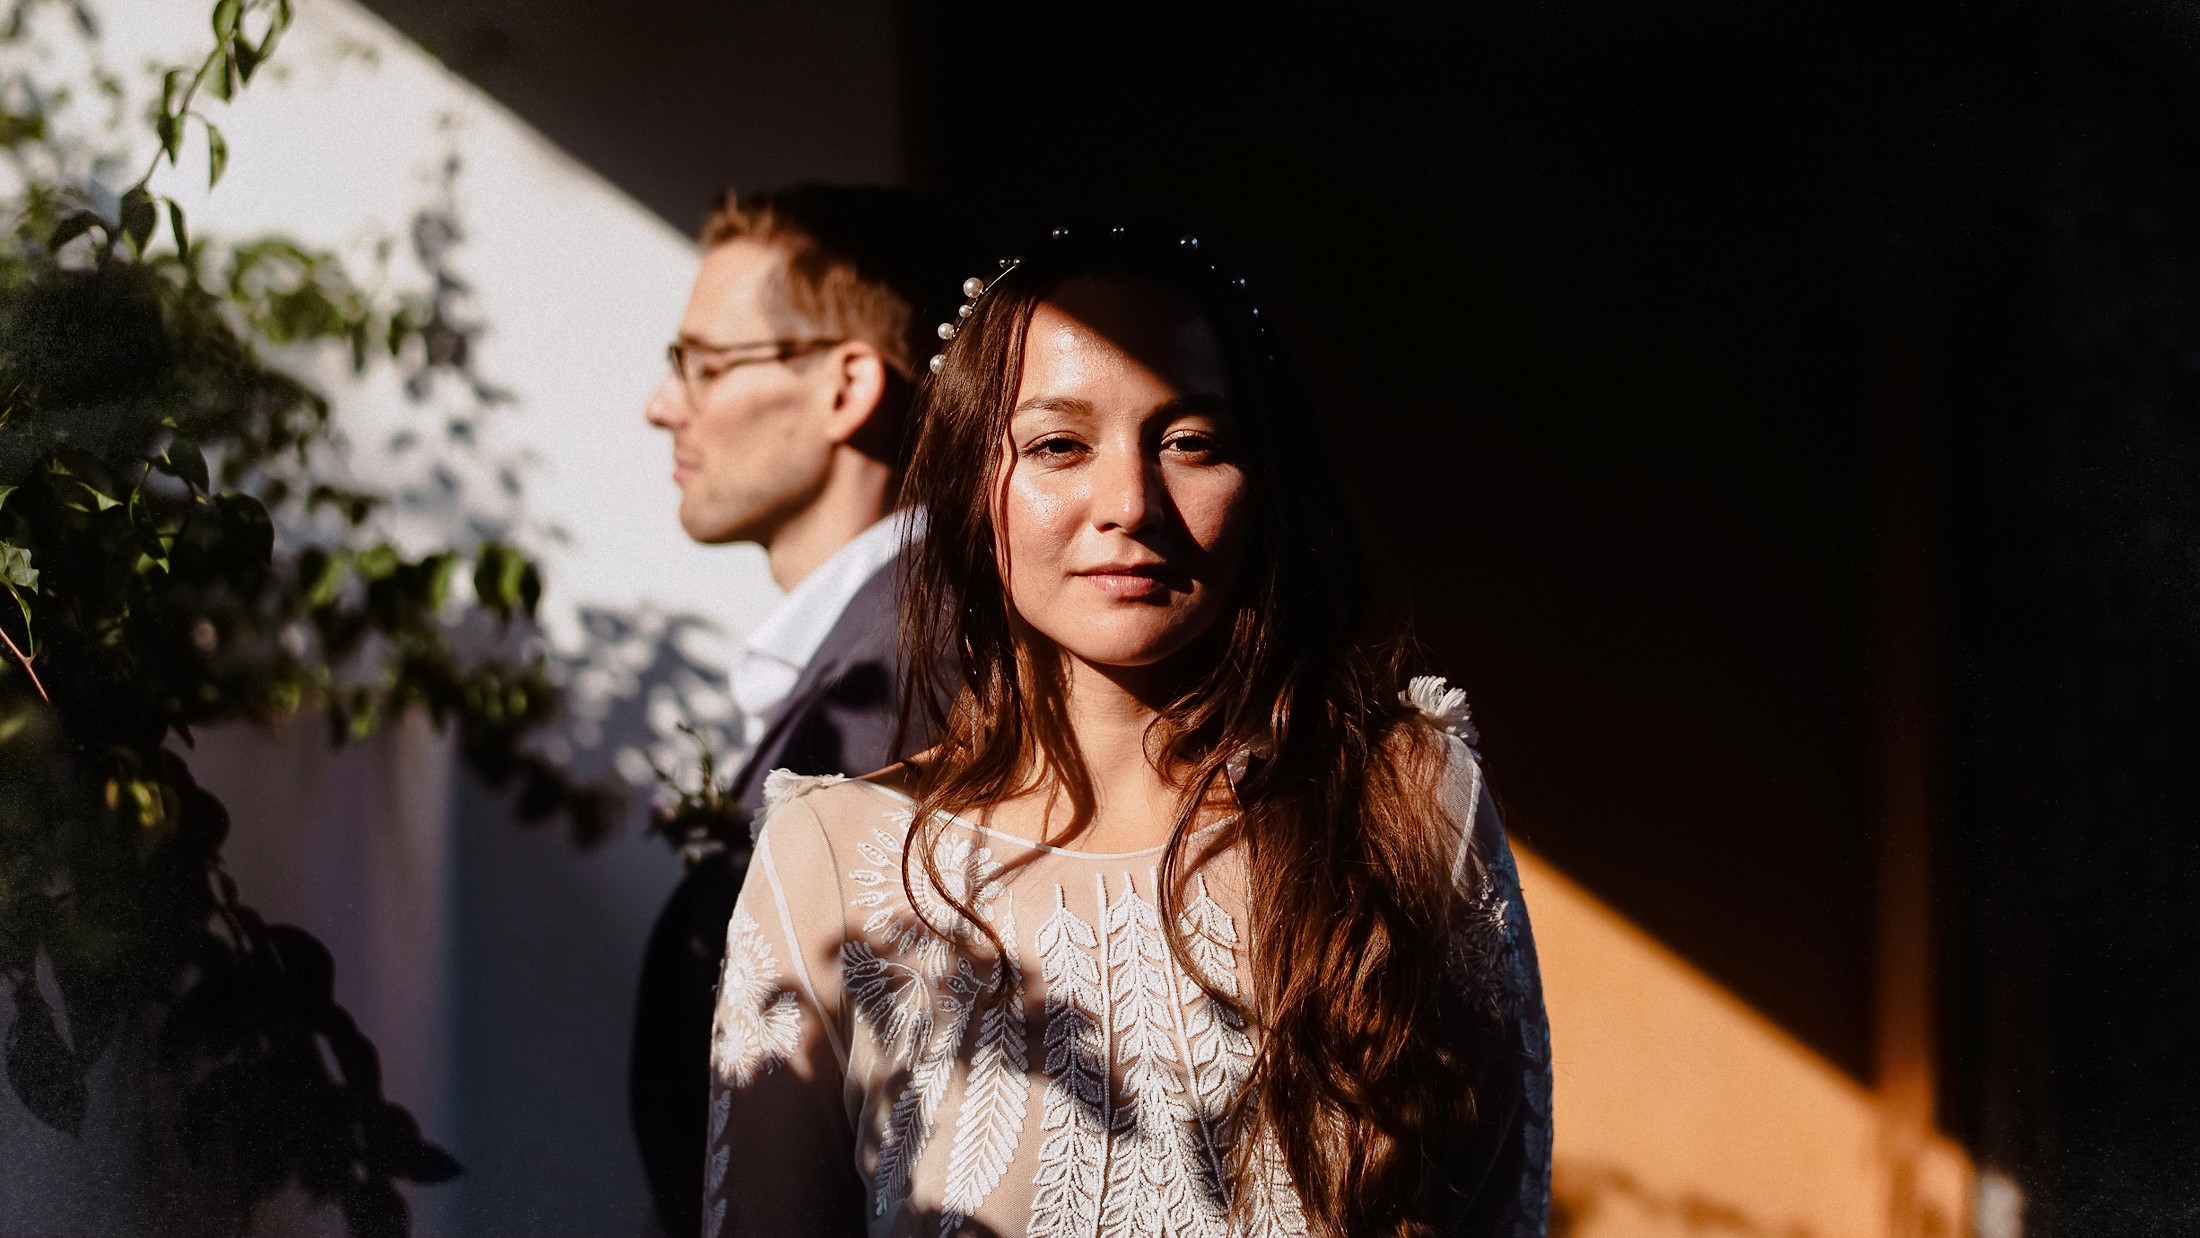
(781, 1149)
(1494, 960)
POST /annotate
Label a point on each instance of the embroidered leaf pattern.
(1075, 1118)
(1274, 1210)
(918, 997)
(996, 1096)
(909, 1125)
(1149, 1191)
(1220, 1052)
(1137, 1072)
(714, 1184)
(759, 1024)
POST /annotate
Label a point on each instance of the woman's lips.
(1127, 583)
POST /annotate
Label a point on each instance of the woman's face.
(1123, 501)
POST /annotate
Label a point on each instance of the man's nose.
(667, 406)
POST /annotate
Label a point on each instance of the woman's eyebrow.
(1054, 404)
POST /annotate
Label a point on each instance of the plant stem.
(183, 109)
(19, 656)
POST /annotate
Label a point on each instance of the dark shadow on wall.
(1583, 300)
(674, 100)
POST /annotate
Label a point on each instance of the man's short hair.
(863, 262)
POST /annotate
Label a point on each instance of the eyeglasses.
(698, 365)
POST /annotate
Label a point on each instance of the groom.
(791, 375)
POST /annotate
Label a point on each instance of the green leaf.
(175, 225)
(82, 496)
(247, 58)
(278, 22)
(321, 576)
(153, 544)
(15, 567)
(168, 83)
(437, 586)
(30, 634)
(170, 131)
(221, 75)
(376, 562)
(5, 491)
(227, 15)
(184, 461)
(17, 128)
(138, 217)
(217, 155)
(363, 718)
(497, 576)
(73, 227)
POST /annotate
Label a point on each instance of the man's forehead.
(734, 291)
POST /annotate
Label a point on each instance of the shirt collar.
(794, 629)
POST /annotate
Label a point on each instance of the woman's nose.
(1126, 492)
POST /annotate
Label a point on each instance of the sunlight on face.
(754, 451)
(1123, 499)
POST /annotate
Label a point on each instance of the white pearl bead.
(947, 330)
(937, 361)
(973, 286)
(964, 312)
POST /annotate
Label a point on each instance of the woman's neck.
(1110, 712)
(1111, 717)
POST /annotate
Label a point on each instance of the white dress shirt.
(772, 659)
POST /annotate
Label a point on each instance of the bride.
(1193, 923)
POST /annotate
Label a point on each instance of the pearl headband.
(975, 288)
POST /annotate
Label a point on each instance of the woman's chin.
(1120, 653)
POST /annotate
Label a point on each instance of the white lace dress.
(871, 1077)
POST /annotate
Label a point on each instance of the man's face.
(750, 447)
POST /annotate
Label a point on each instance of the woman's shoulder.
(1445, 758)
(812, 828)
(832, 804)
(1443, 709)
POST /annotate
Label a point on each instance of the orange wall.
(1682, 1111)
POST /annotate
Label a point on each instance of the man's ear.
(858, 376)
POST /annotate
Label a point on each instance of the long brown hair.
(1359, 1074)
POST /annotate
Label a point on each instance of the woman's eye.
(1056, 448)
(1194, 444)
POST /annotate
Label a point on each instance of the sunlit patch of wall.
(1681, 1112)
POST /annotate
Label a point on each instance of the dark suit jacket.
(839, 718)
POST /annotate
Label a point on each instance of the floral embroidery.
(759, 1023)
(909, 1124)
